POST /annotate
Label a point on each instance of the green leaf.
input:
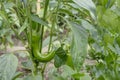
(2, 15)
(8, 66)
(19, 79)
(115, 49)
(88, 26)
(118, 3)
(31, 77)
(14, 19)
(103, 2)
(60, 57)
(107, 39)
(67, 72)
(27, 65)
(79, 44)
(38, 20)
(109, 19)
(78, 75)
(118, 40)
(110, 3)
(9, 5)
(91, 28)
(54, 75)
(88, 5)
(69, 61)
(65, 11)
(86, 77)
(107, 3)
(16, 75)
(24, 26)
(56, 78)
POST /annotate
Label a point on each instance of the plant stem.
(53, 25)
(42, 31)
(42, 27)
(51, 34)
(35, 67)
(43, 70)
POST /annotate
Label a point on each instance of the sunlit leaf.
(38, 20)
(79, 46)
(8, 66)
(69, 61)
(67, 72)
(88, 5)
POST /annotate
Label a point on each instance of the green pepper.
(69, 61)
(43, 57)
(35, 47)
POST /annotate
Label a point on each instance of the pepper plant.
(72, 30)
(32, 25)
